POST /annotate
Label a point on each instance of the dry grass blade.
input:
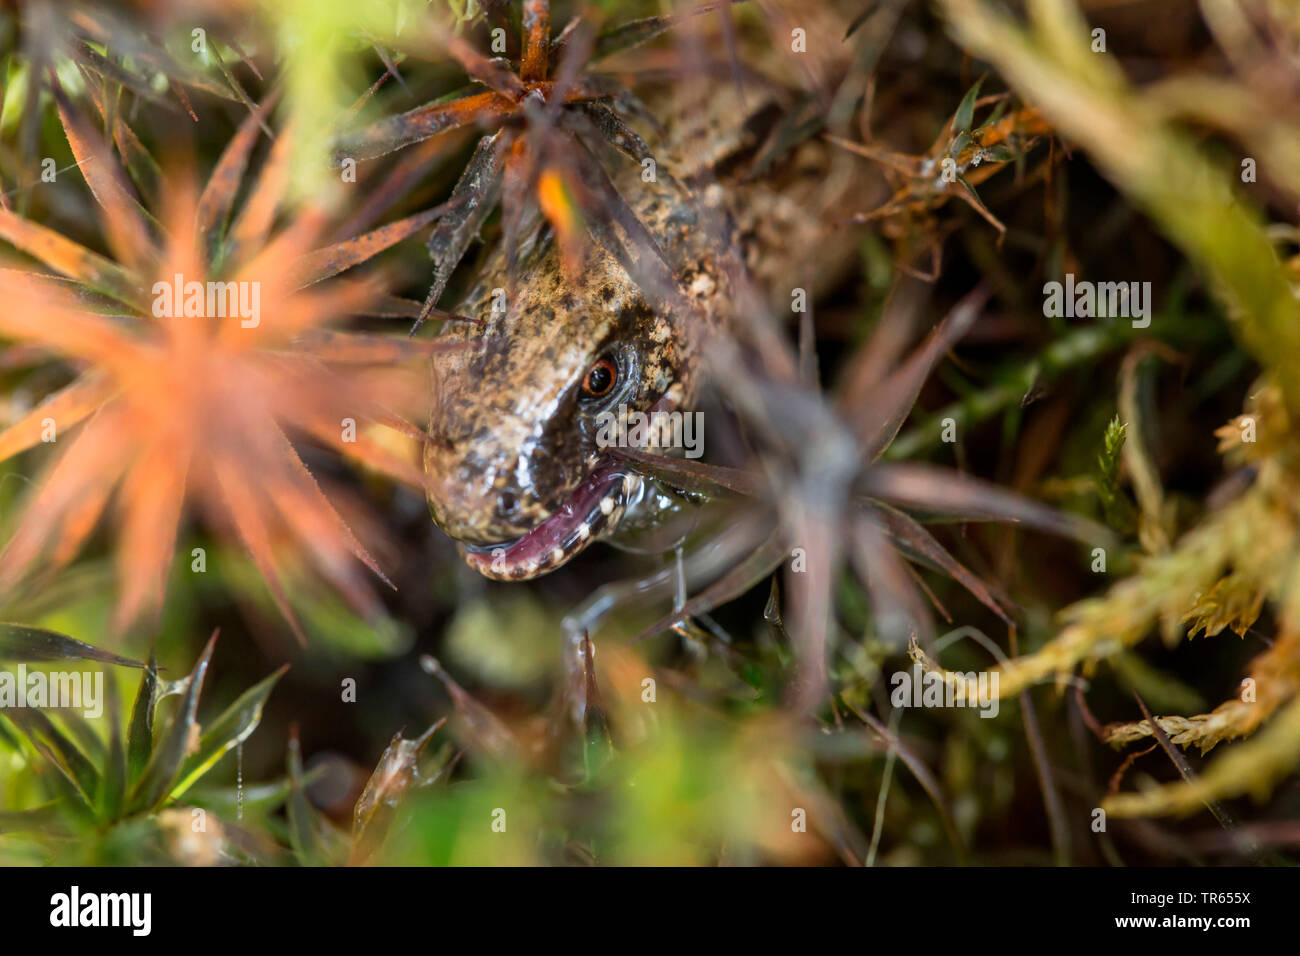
(253, 224)
(306, 510)
(140, 164)
(68, 406)
(240, 92)
(124, 221)
(944, 492)
(913, 536)
(90, 59)
(330, 261)
(420, 123)
(356, 348)
(1184, 769)
(151, 497)
(68, 258)
(1251, 767)
(242, 507)
(696, 476)
(885, 349)
(1052, 803)
(482, 731)
(896, 604)
(68, 502)
(537, 40)
(878, 421)
(473, 196)
(488, 72)
(761, 562)
(218, 196)
(635, 32)
(397, 771)
(919, 770)
(613, 129)
(519, 178)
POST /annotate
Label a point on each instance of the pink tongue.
(561, 528)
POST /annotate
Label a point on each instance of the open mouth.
(594, 508)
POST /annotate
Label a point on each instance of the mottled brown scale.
(510, 439)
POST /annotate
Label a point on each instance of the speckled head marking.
(520, 480)
(517, 476)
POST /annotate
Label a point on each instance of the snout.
(475, 502)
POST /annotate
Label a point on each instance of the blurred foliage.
(432, 723)
(102, 796)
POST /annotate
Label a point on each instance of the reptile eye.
(599, 379)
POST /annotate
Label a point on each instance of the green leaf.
(76, 726)
(21, 643)
(139, 745)
(256, 798)
(229, 730)
(165, 764)
(996, 115)
(37, 725)
(10, 739)
(67, 792)
(113, 782)
(1110, 459)
(1001, 153)
(304, 837)
(598, 748)
(38, 819)
(625, 36)
(970, 190)
(965, 114)
(1116, 506)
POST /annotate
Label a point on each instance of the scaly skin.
(519, 479)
